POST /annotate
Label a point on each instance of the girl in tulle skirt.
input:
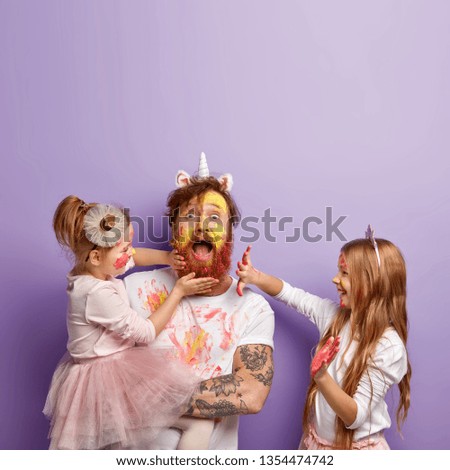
(111, 391)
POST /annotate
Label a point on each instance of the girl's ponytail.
(68, 226)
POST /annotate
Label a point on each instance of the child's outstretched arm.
(184, 286)
(249, 275)
(341, 403)
(150, 257)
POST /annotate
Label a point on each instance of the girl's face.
(114, 260)
(342, 282)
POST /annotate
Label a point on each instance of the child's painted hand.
(187, 285)
(176, 261)
(324, 356)
(246, 272)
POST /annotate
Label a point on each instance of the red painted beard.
(216, 265)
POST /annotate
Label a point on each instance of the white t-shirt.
(204, 332)
(390, 365)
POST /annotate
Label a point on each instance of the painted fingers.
(242, 271)
(325, 356)
(192, 286)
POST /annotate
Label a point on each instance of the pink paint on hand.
(241, 284)
(244, 256)
(239, 287)
(121, 262)
(325, 355)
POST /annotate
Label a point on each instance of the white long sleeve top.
(100, 320)
(388, 368)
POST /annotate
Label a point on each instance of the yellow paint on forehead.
(216, 199)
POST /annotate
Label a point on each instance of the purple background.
(308, 105)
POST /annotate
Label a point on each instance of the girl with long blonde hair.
(362, 349)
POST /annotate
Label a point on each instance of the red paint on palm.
(241, 284)
(325, 355)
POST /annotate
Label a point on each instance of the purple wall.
(309, 106)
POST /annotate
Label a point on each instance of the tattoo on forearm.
(190, 410)
(208, 402)
(265, 379)
(253, 358)
(221, 408)
(226, 384)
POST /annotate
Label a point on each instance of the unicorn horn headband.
(183, 178)
(370, 236)
(203, 170)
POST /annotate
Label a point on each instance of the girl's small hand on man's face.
(176, 261)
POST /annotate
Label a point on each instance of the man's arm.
(242, 392)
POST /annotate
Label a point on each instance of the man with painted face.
(226, 337)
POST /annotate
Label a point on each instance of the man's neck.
(224, 284)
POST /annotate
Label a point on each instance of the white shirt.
(204, 332)
(389, 367)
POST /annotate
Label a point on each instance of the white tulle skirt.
(118, 401)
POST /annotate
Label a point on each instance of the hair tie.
(104, 225)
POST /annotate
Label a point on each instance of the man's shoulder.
(250, 297)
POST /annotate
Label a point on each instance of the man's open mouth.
(202, 250)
